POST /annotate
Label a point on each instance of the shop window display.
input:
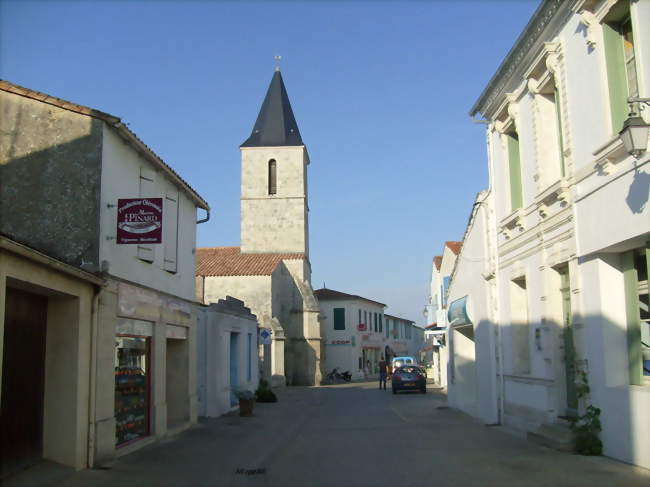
(131, 388)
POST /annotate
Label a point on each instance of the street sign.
(266, 336)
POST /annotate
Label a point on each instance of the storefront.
(148, 390)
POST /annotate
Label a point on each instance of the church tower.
(274, 208)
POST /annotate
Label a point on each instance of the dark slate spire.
(275, 125)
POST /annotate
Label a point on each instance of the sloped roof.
(393, 317)
(437, 261)
(325, 294)
(275, 125)
(229, 261)
(115, 123)
(454, 246)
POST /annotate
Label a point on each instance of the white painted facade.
(128, 174)
(150, 293)
(472, 385)
(566, 282)
(366, 334)
(221, 374)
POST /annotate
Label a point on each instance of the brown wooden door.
(23, 380)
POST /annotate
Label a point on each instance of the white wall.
(213, 355)
(474, 385)
(121, 179)
(346, 357)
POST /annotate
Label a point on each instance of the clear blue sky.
(380, 90)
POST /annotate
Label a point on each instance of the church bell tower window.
(273, 185)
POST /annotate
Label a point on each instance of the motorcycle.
(335, 375)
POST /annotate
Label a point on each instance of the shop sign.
(457, 313)
(266, 336)
(340, 342)
(139, 220)
(361, 327)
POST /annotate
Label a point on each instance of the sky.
(381, 92)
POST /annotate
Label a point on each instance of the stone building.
(271, 271)
(64, 167)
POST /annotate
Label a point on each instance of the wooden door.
(23, 380)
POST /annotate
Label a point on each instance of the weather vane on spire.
(277, 58)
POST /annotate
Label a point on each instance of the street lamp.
(634, 133)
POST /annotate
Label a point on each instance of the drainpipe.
(494, 295)
(207, 217)
(92, 397)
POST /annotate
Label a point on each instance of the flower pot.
(246, 407)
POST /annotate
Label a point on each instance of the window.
(273, 184)
(365, 320)
(635, 275)
(387, 328)
(360, 317)
(549, 133)
(514, 170)
(376, 322)
(519, 326)
(621, 62)
(381, 328)
(445, 286)
(339, 318)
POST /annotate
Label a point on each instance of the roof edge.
(113, 122)
(526, 44)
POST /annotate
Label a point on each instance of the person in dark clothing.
(382, 373)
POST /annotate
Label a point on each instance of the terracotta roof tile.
(229, 261)
(454, 246)
(437, 261)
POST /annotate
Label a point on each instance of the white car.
(400, 361)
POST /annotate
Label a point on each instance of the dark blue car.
(409, 378)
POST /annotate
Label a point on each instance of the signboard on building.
(139, 220)
(266, 336)
(457, 313)
(339, 342)
(361, 327)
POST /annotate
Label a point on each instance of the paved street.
(354, 434)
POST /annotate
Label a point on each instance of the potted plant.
(246, 402)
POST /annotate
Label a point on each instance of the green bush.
(585, 432)
(264, 393)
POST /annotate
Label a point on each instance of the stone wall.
(50, 163)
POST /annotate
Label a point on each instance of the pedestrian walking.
(382, 372)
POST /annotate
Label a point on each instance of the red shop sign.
(139, 221)
(361, 326)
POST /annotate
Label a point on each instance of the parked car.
(409, 378)
(400, 361)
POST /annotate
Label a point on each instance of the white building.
(353, 332)
(436, 309)
(565, 267)
(227, 359)
(471, 334)
(133, 361)
(271, 271)
(357, 332)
